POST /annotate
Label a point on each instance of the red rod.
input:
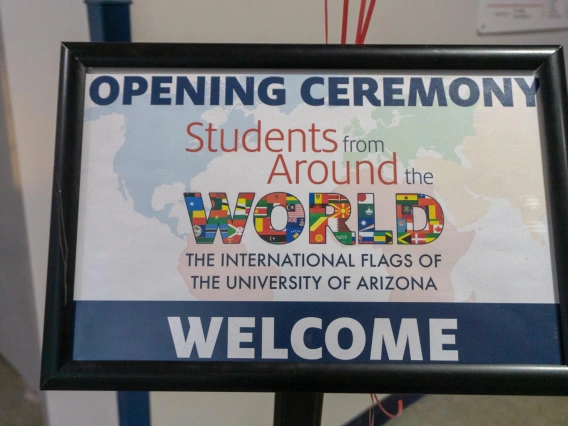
(326, 29)
(345, 15)
(360, 22)
(367, 21)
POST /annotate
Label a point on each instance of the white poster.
(311, 216)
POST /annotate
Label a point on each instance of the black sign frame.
(60, 372)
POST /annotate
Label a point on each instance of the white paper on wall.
(508, 16)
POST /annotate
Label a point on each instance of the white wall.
(32, 32)
(19, 343)
(300, 21)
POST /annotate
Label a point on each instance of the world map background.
(134, 229)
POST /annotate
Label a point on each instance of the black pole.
(298, 408)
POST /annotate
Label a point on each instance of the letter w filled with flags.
(205, 228)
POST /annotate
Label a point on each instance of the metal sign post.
(298, 408)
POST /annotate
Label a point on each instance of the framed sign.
(315, 218)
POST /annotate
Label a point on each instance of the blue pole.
(134, 408)
(109, 20)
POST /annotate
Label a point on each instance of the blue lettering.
(279, 95)
(455, 89)
(130, 91)
(95, 89)
(306, 88)
(233, 87)
(505, 96)
(369, 92)
(529, 91)
(184, 86)
(435, 89)
(158, 90)
(215, 91)
(390, 91)
(335, 91)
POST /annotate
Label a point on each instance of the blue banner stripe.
(486, 333)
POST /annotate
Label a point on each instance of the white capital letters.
(407, 335)
(203, 345)
(235, 337)
(438, 339)
(332, 334)
(297, 338)
(268, 349)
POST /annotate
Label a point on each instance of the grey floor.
(439, 410)
(19, 406)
